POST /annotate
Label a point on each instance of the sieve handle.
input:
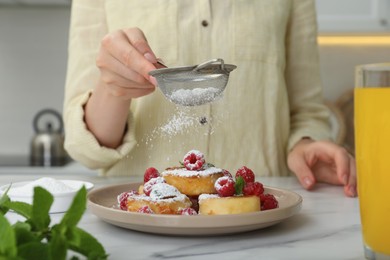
(207, 63)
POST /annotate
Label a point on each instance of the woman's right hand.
(124, 60)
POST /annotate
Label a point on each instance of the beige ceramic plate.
(103, 203)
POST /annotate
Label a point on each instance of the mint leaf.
(76, 209)
(23, 233)
(239, 185)
(3, 200)
(4, 197)
(3, 205)
(35, 239)
(84, 243)
(9, 258)
(7, 239)
(22, 208)
(34, 250)
(58, 244)
(209, 165)
(40, 218)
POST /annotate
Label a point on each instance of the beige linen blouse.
(272, 100)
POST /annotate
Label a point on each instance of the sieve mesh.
(194, 85)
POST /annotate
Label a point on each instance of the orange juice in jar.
(372, 149)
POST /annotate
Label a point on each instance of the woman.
(271, 117)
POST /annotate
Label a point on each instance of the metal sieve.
(194, 85)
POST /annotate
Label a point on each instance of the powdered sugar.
(196, 152)
(163, 191)
(194, 97)
(187, 173)
(179, 123)
(207, 196)
(182, 121)
(52, 185)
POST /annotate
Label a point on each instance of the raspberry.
(268, 201)
(225, 186)
(253, 188)
(145, 209)
(194, 201)
(246, 173)
(193, 160)
(150, 173)
(227, 173)
(122, 198)
(148, 185)
(188, 211)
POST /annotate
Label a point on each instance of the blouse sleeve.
(87, 28)
(308, 113)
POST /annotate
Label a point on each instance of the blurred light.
(354, 40)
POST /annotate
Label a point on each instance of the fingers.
(345, 168)
(298, 165)
(334, 157)
(342, 161)
(109, 66)
(323, 162)
(131, 49)
(118, 86)
(138, 40)
(350, 188)
(326, 172)
(125, 59)
(120, 80)
(118, 91)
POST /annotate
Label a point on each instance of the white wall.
(338, 65)
(33, 51)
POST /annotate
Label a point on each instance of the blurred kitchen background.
(33, 54)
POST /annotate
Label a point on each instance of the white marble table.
(327, 227)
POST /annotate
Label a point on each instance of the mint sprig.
(36, 239)
(239, 185)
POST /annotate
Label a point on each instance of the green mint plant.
(36, 239)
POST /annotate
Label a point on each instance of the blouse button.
(205, 23)
(203, 120)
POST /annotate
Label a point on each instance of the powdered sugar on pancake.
(188, 173)
(161, 192)
(207, 196)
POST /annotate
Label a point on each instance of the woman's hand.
(322, 161)
(124, 60)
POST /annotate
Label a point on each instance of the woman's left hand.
(323, 161)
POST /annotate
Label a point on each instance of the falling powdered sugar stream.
(178, 124)
(184, 121)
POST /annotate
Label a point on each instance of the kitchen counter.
(327, 227)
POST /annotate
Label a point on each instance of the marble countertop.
(327, 227)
